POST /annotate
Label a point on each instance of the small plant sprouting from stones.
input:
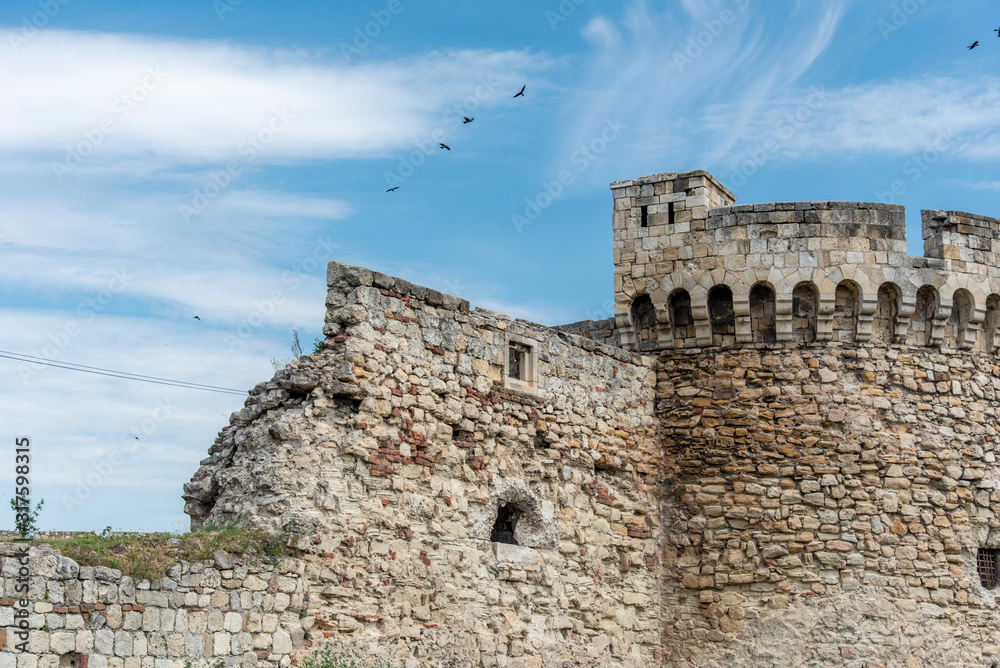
(26, 519)
(325, 657)
(270, 549)
(319, 345)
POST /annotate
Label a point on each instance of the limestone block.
(282, 642)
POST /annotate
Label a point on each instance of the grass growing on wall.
(327, 657)
(148, 556)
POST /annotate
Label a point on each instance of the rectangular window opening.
(517, 366)
(644, 213)
(670, 213)
(987, 565)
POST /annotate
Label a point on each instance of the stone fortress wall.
(402, 456)
(828, 412)
(210, 613)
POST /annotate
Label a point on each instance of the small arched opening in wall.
(762, 327)
(722, 316)
(72, 660)
(962, 306)
(847, 304)
(884, 321)
(681, 320)
(922, 321)
(986, 342)
(981, 564)
(516, 514)
(805, 306)
(644, 322)
(505, 524)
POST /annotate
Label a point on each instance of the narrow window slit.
(722, 316)
(644, 213)
(670, 213)
(644, 322)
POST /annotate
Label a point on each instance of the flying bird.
(974, 45)
(520, 93)
(391, 189)
(197, 318)
(997, 31)
(467, 120)
(445, 146)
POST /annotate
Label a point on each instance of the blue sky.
(164, 160)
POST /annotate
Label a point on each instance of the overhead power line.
(118, 374)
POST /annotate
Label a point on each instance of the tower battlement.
(966, 237)
(693, 269)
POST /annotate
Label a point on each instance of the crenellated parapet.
(692, 269)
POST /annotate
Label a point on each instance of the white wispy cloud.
(707, 83)
(188, 101)
(282, 205)
(602, 32)
(898, 117)
(227, 292)
(105, 138)
(659, 66)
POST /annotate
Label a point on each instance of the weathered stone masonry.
(393, 453)
(828, 420)
(800, 475)
(203, 613)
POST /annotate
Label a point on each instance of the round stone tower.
(828, 413)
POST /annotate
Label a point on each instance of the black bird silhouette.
(197, 318)
(520, 93)
(467, 120)
(997, 31)
(445, 146)
(974, 45)
(137, 438)
(391, 189)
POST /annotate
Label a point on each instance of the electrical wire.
(118, 374)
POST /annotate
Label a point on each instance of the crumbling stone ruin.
(466, 486)
(779, 452)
